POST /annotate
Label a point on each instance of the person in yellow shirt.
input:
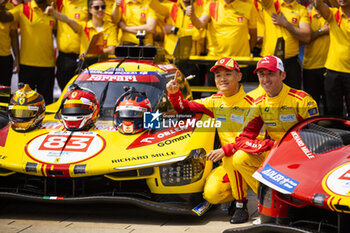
(177, 25)
(37, 56)
(315, 56)
(134, 16)
(230, 106)
(68, 42)
(90, 28)
(9, 38)
(278, 109)
(289, 20)
(231, 28)
(337, 81)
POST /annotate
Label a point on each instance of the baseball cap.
(271, 63)
(226, 62)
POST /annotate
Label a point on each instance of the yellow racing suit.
(277, 114)
(232, 112)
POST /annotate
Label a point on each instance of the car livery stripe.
(52, 198)
(3, 135)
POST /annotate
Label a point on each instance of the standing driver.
(230, 106)
(277, 110)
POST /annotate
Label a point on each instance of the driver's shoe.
(241, 213)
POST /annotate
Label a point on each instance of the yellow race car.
(142, 154)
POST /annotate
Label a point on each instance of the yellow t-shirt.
(36, 35)
(108, 12)
(88, 31)
(178, 18)
(315, 53)
(295, 14)
(5, 28)
(339, 47)
(136, 14)
(67, 40)
(228, 29)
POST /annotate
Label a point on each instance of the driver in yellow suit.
(230, 106)
(278, 109)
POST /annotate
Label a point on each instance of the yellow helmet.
(26, 109)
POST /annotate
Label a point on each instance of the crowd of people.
(221, 28)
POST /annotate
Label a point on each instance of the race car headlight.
(184, 172)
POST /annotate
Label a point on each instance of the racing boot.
(241, 213)
(231, 209)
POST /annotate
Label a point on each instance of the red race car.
(305, 180)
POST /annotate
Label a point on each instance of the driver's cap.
(271, 63)
(226, 62)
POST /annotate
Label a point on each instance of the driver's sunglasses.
(102, 7)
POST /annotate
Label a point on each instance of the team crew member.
(337, 82)
(135, 15)
(287, 19)
(9, 38)
(231, 28)
(178, 24)
(315, 56)
(230, 106)
(37, 57)
(277, 110)
(92, 27)
(68, 42)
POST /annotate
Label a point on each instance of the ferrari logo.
(21, 100)
(57, 160)
(74, 94)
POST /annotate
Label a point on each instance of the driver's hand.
(172, 86)
(215, 155)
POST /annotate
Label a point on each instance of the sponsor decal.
(279, 179)
(65, 148)
(286, 108)
(237, 118)
(270, 123)
(302, 146)
(142, 157)
(119, 76)
(240, 19)
(173, 140)
(51, 124)
(201, 208)
(313, 111)
(288, 118)
(77, 16)
(104, 126)
(338, 181)
(294, 20)
(52, 23)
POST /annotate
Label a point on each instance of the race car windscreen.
(108, 88)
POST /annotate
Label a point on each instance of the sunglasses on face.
(102, 7)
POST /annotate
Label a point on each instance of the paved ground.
(26, 217)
